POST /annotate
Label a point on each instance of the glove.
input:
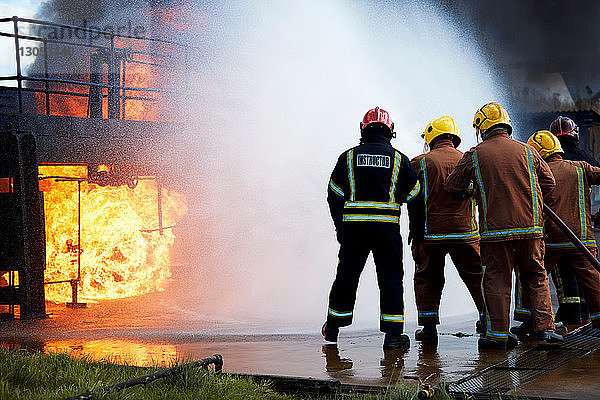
(468, 192)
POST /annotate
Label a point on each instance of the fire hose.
(216, 360)
(572, 237)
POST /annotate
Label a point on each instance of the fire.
(121, 255)
(64, 105)
(137, 72)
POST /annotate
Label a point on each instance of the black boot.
(396, 341)
(524, 330)
(427, 334)
(487, 343)
(330, 333)
(549, 336)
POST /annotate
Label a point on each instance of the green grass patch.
(52, 375)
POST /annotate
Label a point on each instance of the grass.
(40, 375)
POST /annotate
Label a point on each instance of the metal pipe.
(18, 59)
(572, 237)
(217, 360)
(74, 93)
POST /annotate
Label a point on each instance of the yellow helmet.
(441, 126)
(545, 143)
(491, 115)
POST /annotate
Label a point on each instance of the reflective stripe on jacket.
(570, 200)
(369, 183)
(448, 218)
(509, 179)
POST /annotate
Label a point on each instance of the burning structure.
(85, 200)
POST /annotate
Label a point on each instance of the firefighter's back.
(511, 201)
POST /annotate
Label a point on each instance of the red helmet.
(377, 115)
(564, 126)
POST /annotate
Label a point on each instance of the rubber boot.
(330, 334)
(396, 341)
(509, 343)
(427, 334)
(550, 336)
(524, 330)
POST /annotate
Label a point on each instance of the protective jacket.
(369, 183)
(570, 146)
(509, 177)
(571, 201)
(448, 218)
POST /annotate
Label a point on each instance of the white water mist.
(283, 86)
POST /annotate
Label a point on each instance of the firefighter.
(571, 308)
(571, 202)
(567, 132)
(450, 228)
(510, 179)
(366, 189)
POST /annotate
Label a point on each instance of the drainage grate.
(515, 371)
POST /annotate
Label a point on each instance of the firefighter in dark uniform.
(450, 228)
(367, 187)
(571, 308)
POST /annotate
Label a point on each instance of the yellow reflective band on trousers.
(339, 314)
(570, 300)
(392, 318)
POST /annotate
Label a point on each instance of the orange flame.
(145, 106)
(119, 258)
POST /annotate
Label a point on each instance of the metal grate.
(517, 370)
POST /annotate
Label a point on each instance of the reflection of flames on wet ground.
(119, 257)
(118, 351)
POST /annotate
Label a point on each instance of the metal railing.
(116, 88)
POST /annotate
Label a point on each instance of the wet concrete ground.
(110, 331)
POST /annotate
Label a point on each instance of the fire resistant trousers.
(588, 279)
(499, 259)
(357, 241)
(429, 276)
(569, 299)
